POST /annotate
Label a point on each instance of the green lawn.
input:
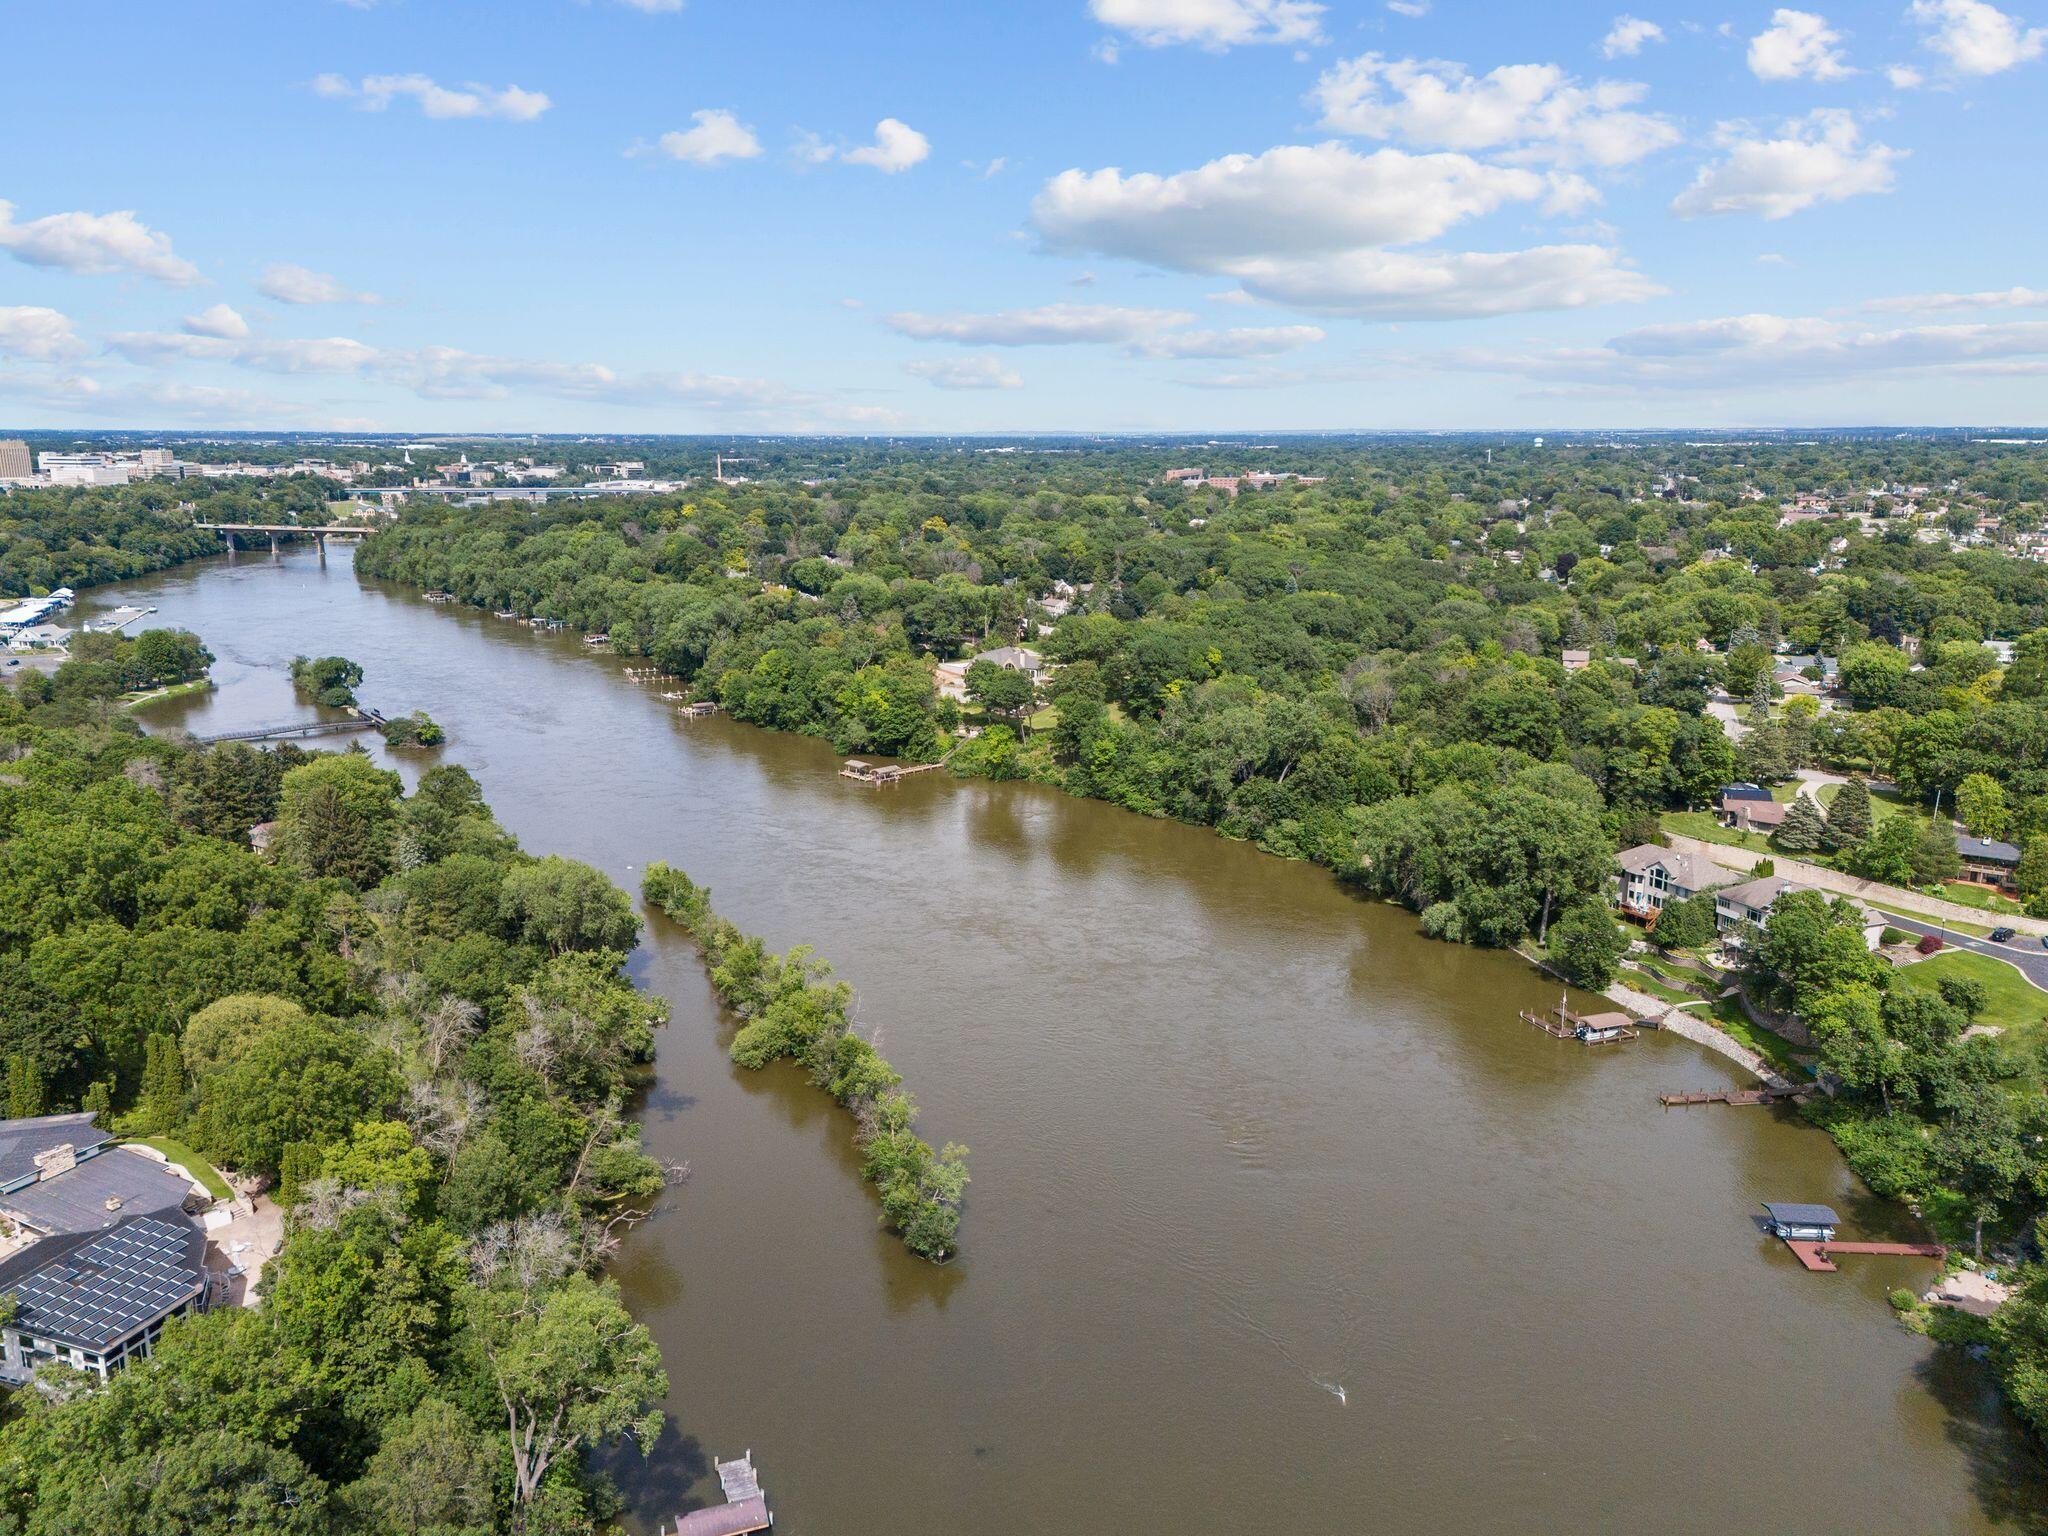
(174, 691)
(190, 1161)
(1774, 1048)
(1643, 981)
(2014, 1003)
(1884, 803)
(1701, 824)
(1982, 897)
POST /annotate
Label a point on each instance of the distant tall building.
(14, 460)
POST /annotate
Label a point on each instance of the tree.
(1887, 855)
(1983, 1153)
(1934, 853)
(163, 1084)
(331, 680)
(335, 816)
(1848, 821)
(308, 1080)
(1001, 691)
(1803, 828)
(24, 1087)
(1586, 944)
(1812, 945)
(433, 1475)
(570, 1369)
(2032, 874)
(1687, 924)
(221, 1033)
(562, 905)
(379, 1154)
(1981, 805)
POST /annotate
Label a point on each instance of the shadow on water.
(663, 1480)
(2007, 1467)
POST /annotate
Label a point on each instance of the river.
(1239, 1138)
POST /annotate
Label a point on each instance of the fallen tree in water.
(790, 1007)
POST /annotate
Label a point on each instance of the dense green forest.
(1459, 673)
(424, 1036)
(77, 537)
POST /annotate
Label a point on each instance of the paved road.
(2024, 952)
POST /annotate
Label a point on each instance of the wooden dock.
(879, 774)
(1817, 1256)
(745, 1509)
(1767, 1095)
(1561, 1023)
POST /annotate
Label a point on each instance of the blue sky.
(783, 215)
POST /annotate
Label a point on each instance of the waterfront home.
(97, 1247)
(1652, 876)
(1016, 658)
(1751, 902)
(1798, 1223)
(1985, 859)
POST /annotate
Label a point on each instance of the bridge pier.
(320, 540)
(273, 546)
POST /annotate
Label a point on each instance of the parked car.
(2001, 935)
(1931, 943)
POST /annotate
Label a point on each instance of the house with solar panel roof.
(98, 1247)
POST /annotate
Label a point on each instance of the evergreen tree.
(24, 1088)
(99, 1099)
(1848, 821)
(1934, 855)
(1804, 827)
(2032, 874)
(163, 1083)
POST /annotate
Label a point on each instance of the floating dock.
(745, 1508)
(883, 773)
(1816, 1255)
(1770, 1095)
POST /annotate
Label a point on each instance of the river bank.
(1218, 1103)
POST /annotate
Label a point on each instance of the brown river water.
(1239, 1139)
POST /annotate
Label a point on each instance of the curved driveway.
(2023, 952)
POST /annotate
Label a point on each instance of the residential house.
(97, 1248)
(1651, 877)
(1749, 808)
(1577, 661)
(1750, 903)
(1992, 862)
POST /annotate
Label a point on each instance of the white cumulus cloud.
(897, 147)
(1533, 111)
(718, 135)
(965, 373)
(374, 93)
(288, 283)
(220, 320)
(1904, 77)
(1819, 158)
(95, 244)
(1797, 45)
(1977, 38)
(1213, 24)
(1308, 225)
(30, 330)
(1626, 37)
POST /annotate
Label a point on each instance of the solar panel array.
(97, 1294)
